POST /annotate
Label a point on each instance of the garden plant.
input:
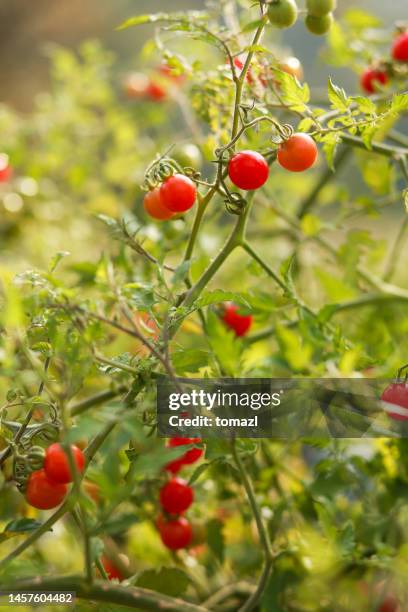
(207, 214)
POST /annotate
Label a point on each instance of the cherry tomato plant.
(212, 216)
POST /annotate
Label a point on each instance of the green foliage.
(113, 301)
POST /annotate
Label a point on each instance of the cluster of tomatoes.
(378, 76)
(319, 17)
(156, 87)
(47, 487)
(176, 496)
(249, 170)
(175, 195)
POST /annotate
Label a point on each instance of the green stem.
(241, 80)
(265, 266)
(395, 255)
(132, 597)
(254, 599)
(202, 205)
(369, 300)
(376, 147)
(100, 398)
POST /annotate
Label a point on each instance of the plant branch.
(132, 597)
(253, 600)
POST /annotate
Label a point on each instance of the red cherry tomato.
(154, 206)
(42, 492)
(239, 323)
(397, 395)
(156, 91)
(176, 496)
(178, 193)
(372, 78)
(6, 170)
(400, 48)
(56, 464)
(190, 456)
(298, 153)
(176, 533)
(248, 170)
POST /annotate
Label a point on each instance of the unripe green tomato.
(320, 8)
(319, 25)
(282, 13)
(187, 155)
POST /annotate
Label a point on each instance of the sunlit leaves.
(295, 95)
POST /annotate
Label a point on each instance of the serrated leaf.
(142, 19)
(219, 296)
(295, 95)
(189, 361)
(338, 98)
(399, 103)
(365, 105)
(56, 260)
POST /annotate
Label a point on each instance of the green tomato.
(320, 8)
(319, 25)
(187, 155)
(283, 13)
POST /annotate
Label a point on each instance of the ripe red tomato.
(396, 394)
(190, 456)
(56, 464)
(176, 496)
(239, 323)
(282, 13)
(176, 533)
(178, 193)
(44, 493)
(248, 170)
(400, 48)
(390, 604)
(298, 153)
(154, 206)
(6, 170)
(371, 78)
(156, 91)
